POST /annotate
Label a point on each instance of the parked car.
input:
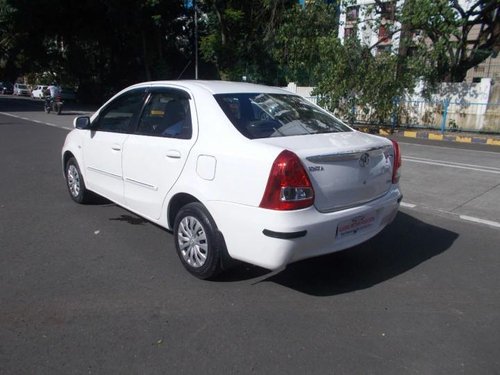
(39, 92)
(20, 89)
(6, 88)
(68, 93)
(236, 171)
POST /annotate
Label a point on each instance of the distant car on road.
(235, 170)
(6, 88)
(20, 89)
(38, 92)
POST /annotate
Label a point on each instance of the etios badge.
(364, 160)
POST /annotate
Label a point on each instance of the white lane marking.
(37, 121)
(409, 205)
(450, 148)
(473, 219)
(442, 163)
(481, 221)
(451, 163)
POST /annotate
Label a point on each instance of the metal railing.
(441, 115)
(448, 115)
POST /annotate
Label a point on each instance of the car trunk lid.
(346, 169)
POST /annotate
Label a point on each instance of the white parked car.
(21, 89)
(235, 170)
(38, 92)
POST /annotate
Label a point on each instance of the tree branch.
(382, 40)
(457, 6)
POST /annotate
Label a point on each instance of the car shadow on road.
(403, 245)
(131, 219)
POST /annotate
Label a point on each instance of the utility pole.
(195, 40)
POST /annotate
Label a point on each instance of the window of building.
(383, 33)
(352, 14)
(388, 10)
(384, 49)
(349, 32)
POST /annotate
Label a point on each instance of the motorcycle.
(53, 104)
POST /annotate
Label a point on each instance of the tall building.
(379, 30)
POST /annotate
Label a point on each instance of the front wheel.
(75, 182)
(197, 241)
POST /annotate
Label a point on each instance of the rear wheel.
(75, 182)
(197, 241)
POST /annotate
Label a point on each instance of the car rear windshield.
(277, 115)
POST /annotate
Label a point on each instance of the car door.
(103, 144)
(155, 154)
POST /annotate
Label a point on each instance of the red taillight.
(288, 186)
(397, 162)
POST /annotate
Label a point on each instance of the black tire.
(75, 183)
(198, 241)
(56, 107)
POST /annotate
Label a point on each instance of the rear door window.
(166, 114)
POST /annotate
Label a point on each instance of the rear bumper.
(272, 239)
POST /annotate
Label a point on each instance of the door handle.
(173, 154)
(116, 147)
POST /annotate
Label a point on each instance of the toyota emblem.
(364, 160)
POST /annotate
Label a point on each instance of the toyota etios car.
(236, 171)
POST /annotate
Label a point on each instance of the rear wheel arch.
(199, 243)
(175, 205)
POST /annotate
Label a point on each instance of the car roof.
(218, 87)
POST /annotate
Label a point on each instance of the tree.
(354, 79)
(347, 77)
(452, 39)
(355, 84)
(239, 38)
(99, 45)
(299, 40)
(448, 37)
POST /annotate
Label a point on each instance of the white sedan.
(39, 92)
(236, 171)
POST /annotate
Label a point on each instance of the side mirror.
(81, 122)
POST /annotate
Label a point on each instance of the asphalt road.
(97, 290)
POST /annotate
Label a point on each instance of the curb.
(437, 136)
(493, 141)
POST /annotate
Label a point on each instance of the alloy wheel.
(73, 178)
(192, 241)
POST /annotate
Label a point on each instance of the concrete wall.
(460, 106)
(464, 106)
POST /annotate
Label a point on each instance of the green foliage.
(239, 38)
(355, 84)
(99, 45)
(348, 78)
(104, 45)
(451, 39)
(300, 40)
